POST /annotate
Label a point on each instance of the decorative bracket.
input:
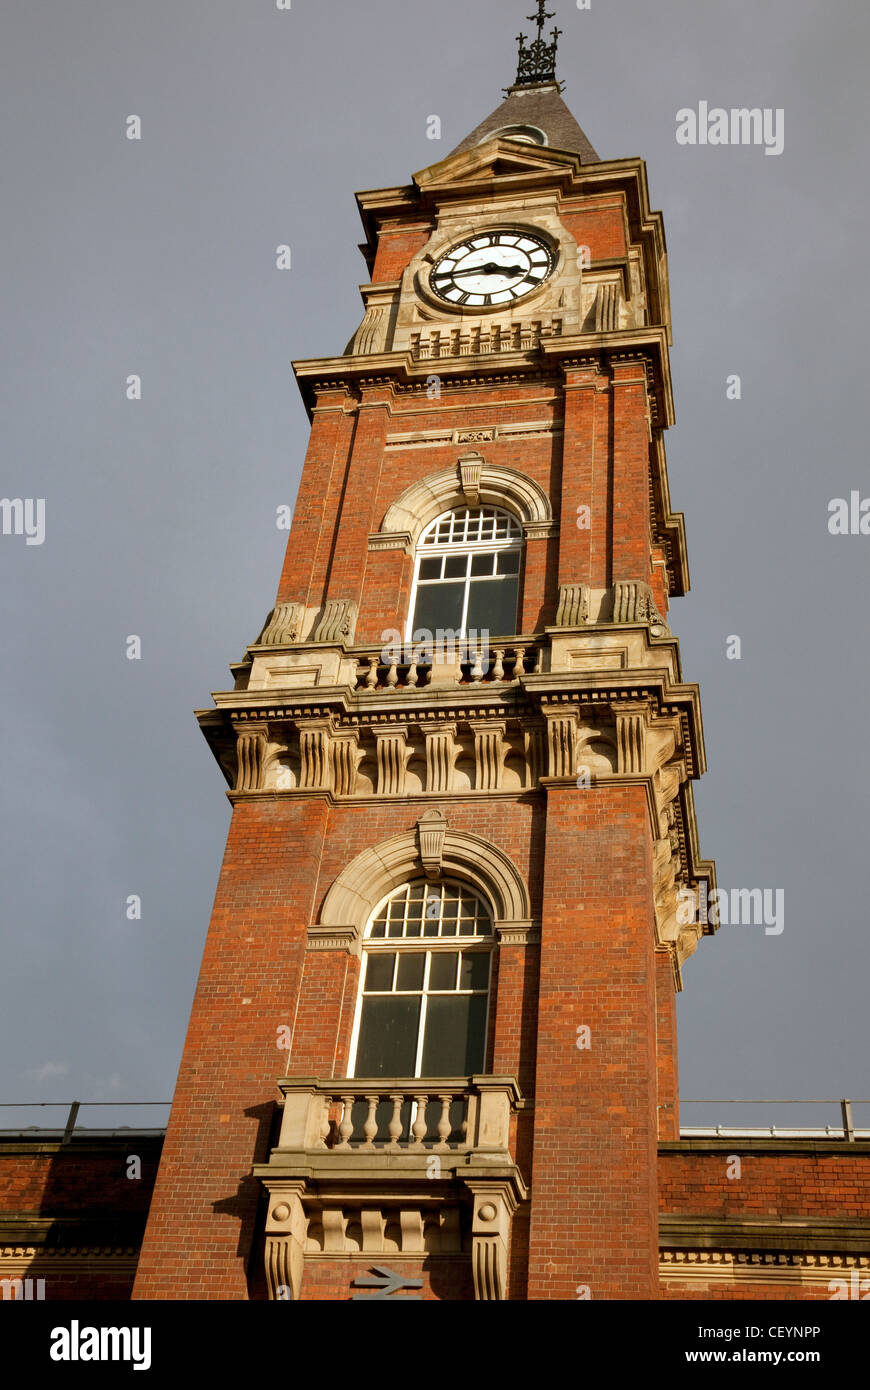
(470, 469)
(573, 610)
(431, 829)
(338, 623)
(283, 625)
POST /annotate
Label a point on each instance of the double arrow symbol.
(388, 1283)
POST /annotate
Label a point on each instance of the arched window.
(466, 576)
(424, 987)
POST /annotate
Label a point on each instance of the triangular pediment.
(498, 158)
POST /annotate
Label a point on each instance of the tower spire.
(537, 60)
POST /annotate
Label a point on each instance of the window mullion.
(424, 998)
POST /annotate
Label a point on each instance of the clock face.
(493, 268)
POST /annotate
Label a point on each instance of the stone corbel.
(346, 758)
(664, 891)
(562, 727)
(667, 782)
(489, 754)
(494, 1206)
(285, 1240)
(470, 469)
(338, 622)
(633, 602)
(251, 750)
(393, 757)
(573, 609)
(431, 829)
(631, 738)
(535, 742)
(441, 753)
(314, 759)
(283, 625)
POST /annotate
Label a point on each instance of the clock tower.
(433, 1044)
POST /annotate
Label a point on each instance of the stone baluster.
(419, 1126)
(325, 1122)
(393, 675)
(477, 667)
(370, 1127)
(444, 1124)
(345, 1129)
(539, 661)
(519, 663)
(412, 677)
(498, 667)
(395, 1126)
(372, 674)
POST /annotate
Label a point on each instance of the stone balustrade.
(473, 666)
(362, 1117)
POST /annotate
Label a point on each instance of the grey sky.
(158, 258)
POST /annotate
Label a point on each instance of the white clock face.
(492, 268)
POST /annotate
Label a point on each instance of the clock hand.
(488, 269)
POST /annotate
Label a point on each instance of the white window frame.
(513, 543)
(480, 944)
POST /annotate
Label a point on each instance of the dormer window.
(526, 134)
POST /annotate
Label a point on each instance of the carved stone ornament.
(573, 610)
(431, 829)
(470, 469)
(494, 1206)
(283, 625)
(633, 602)
(251, 748)
(285, 1240)
(338, 622)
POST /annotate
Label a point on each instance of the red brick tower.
(434, 1029)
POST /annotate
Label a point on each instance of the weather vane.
(537, 61)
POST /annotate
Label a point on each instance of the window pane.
(430, 567)
(509, 562)
(492, 605)
(388, 1035)
(411, 965)
(379, 970)
(442, 970)
(455, 1040)
(482, 564)
(474, 971)
(439, 606)
(455, 566)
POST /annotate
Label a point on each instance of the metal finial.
(537, 58)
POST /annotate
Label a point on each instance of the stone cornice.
(399, 369)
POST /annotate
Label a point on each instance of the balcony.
(414, 1169)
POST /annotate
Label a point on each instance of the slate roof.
(538, 106)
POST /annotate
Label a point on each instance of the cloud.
(48, 1071)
